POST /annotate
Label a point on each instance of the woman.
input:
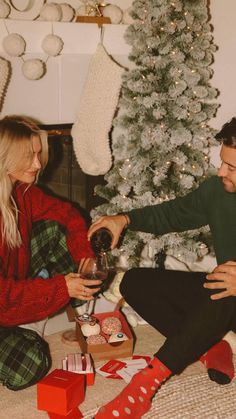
(39, 234)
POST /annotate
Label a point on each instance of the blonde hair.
(16, 134)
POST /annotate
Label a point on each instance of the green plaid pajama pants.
(24, 355)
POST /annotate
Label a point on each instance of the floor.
(190, 395)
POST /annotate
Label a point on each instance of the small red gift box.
(80, 364)
(60, 392)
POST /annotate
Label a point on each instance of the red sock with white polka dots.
(135, 399)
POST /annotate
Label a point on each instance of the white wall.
(223, 20)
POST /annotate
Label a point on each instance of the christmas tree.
(161, 137)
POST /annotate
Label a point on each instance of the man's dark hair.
(227, 135)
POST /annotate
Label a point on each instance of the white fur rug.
(188, 396)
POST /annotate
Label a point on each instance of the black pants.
(177, 305)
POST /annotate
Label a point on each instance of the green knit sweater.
(208, 204)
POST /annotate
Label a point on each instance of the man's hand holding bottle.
(114, 223)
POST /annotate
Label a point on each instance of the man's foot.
(219, 362)
(135, 399)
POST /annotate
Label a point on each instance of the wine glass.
(93, 268)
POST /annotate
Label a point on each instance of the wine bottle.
(101, 240)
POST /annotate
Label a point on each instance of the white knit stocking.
(4, 76)
(97, 106)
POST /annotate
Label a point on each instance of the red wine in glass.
(98, 275)
(93, 268)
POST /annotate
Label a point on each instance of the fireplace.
(63, 175)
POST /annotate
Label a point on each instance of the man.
(193, 310)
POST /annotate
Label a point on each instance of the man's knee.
(130, 282)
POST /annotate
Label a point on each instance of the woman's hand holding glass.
(79, 287)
